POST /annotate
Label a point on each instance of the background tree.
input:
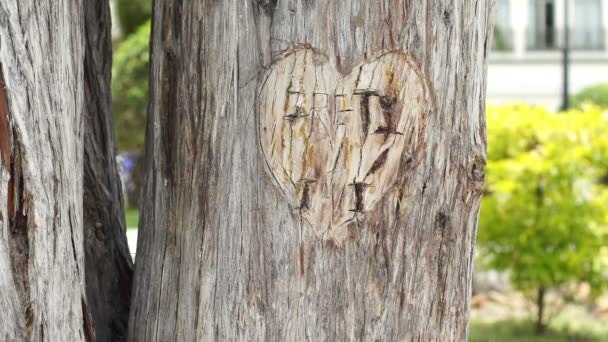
(544, 216)
(130, 89)
(42, 267)
(132, 14)
(108, 265)
(130, 102)
(221, 253)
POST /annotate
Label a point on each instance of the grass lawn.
(132, 217)
(513, 330)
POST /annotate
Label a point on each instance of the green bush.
(597, 94)
(501, 42)
(544, 216)
(130, 89)
(132, 14)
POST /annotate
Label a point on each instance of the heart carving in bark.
(334, 144)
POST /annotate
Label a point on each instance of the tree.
(108, 264)
(130, 89)
(42, 267)
(544, 217)
(231, 248)
(132, 14)
(55, 99)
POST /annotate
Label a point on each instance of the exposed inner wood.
(17, 219)
(333, 144)
(89, 331)
(5, 146)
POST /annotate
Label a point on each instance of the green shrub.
(501, 42)
(544, 215)
(132, 14)
(130, 89)
(597, 94)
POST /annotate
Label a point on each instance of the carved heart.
(334, 144)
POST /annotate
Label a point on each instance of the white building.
(115, 25)
(526, 63)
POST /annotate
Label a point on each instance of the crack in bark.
(16, 210)
(365, 110)
(305, 202)
(268, 6)
(5, 136)
(378, 164)
(359, 188)
(388, 103)
(89, 332)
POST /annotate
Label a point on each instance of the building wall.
(536, 77)
(116, 34)
(539, 82)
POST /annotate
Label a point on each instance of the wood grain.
(108, 264)
(41, 247)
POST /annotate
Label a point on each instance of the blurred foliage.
(544, 215)
(132, 218)
(132, 14)
(501, 40)
(130, 89)
(597, 94)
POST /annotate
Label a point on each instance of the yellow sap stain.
(347, 150)
(302, 131)
(311, 153)
(304, 165)
(388, 72)
(285, 173)
(303, 135)
(310, 156)
(283, 138)
(286, 108)
(344, 103)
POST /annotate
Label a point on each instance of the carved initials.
(334, 144)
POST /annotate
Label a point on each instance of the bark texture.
(42, 293)
(109, 268)
(223, 254)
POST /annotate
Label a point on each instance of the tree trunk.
(108, 264)
(42, 291)
(540, 305)
(313, 170)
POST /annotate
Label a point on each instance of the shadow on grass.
(503, 331)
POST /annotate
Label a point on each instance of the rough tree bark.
(42, 292)
(108, 264)
(237, 241)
